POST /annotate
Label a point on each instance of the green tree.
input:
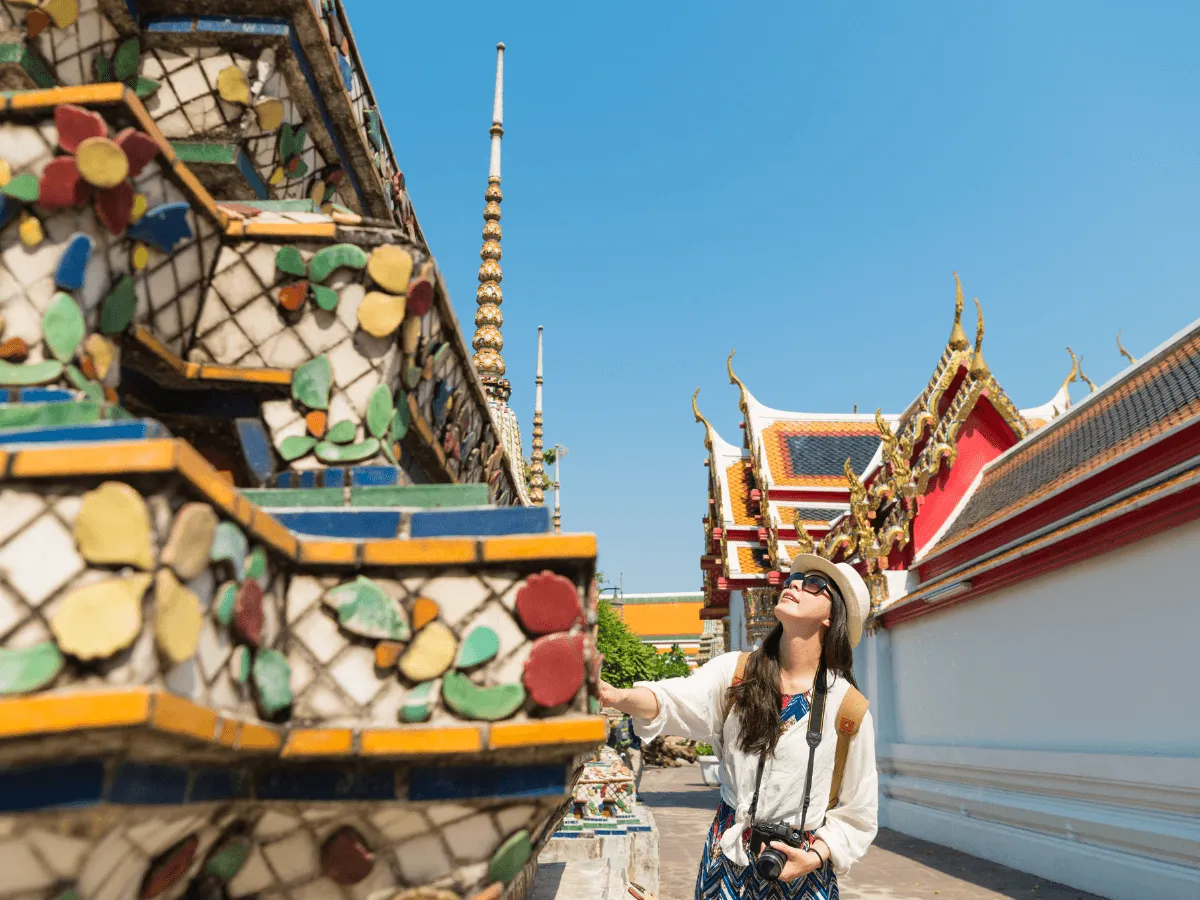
(673, 664)
(626, 659)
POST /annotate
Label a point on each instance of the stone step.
(589, 879)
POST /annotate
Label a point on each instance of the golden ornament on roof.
(958, 337)
(488, 336)
(493, 194)
(491, 230)
(489, 314)
(979, 367)
(489, 292)
(490, 271)
(1125, 353)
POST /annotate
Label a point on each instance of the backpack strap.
(739, 673)
(849, 719)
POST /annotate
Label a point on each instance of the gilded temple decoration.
(979, 367)
(537, 462)
(708, 429)
(1125, 353)
(1091, 384)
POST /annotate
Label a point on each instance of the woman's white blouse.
(693, 707)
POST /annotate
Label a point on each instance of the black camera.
(768, 861)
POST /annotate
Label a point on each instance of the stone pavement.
(897, 867)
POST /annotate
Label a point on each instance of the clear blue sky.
(797, 181)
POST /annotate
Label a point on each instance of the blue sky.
(797, 183)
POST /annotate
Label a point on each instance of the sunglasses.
(810, 583)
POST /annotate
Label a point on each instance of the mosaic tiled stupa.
(275, 621)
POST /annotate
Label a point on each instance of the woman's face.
(798, 606)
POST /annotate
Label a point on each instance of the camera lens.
(769, 864)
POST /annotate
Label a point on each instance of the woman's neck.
(799, 658)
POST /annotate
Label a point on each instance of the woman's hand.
(799, 862)
(610, 696)
(639, 701)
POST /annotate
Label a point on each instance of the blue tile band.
(481, 522)
(135, 430)
(341, 523)
(465, 782)
(93, 781)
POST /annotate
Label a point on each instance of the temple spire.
(488, 343)
(537, 477)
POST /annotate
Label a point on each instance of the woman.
(763, 717)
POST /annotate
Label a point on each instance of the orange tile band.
(205, 372)
(133, 707)
(164, 455)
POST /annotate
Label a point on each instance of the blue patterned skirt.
(719, 879)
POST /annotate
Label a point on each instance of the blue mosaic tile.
(72, 263)
(460, 782)
(341, 523)
(327, 784)
(335, 478)
(256, 449)
(374, 476)
(134, 430)
(481, 522)
(250, 173)
(47, 786)
(308, 479)
(145, 784)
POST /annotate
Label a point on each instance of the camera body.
(768, 861)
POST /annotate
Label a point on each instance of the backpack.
(849, 718)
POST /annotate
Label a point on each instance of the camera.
(768, 861)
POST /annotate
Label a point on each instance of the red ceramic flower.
(95, 161)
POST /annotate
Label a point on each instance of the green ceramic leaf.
(239, 664)
(285, 141)
(340, 453)
(229, 543)
(418, 703)
(364, 609)
(388, 453)
(104, 69)
(412, 377)
(400, 418)
(481, 645)
(379, 411)
(125, 60)
(29, 668)
(227, 860)
(256, 565)
(226, 600)
(311, 383)
(299, 170)
(328, 259)
(289, 260)
(22, 187)
(272, 677)
(341, 433)
(487, 704)
(327, 298)
(144, 87)
(80, 382)
(63, 327)
(30, 373)
(298, 136)
(296, 446)
(508, 861)
(116, 312)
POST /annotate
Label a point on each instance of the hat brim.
(849, 583)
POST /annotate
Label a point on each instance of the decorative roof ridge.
(1061, 401)
(1129, 372)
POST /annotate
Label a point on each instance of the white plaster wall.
(1054, 726)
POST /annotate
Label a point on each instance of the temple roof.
(1139, 406)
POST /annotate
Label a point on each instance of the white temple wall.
(1054, 726)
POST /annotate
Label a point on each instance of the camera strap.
(816, 716)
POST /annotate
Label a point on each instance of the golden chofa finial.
(958, 337)
(1091, 384)
(979, 367)
(1125, 353)
(708, 429)
(803, 538)
(1073, 375)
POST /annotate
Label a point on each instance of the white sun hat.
(849, 582)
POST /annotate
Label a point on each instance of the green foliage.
(673, 664)
(627, 659)
(704, 750)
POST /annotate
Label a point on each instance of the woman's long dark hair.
(757, 698)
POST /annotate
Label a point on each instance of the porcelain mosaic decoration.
(274, 620)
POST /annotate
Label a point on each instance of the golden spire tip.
(979, 367)
(958, 337)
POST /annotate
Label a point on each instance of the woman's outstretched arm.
(638, 701)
